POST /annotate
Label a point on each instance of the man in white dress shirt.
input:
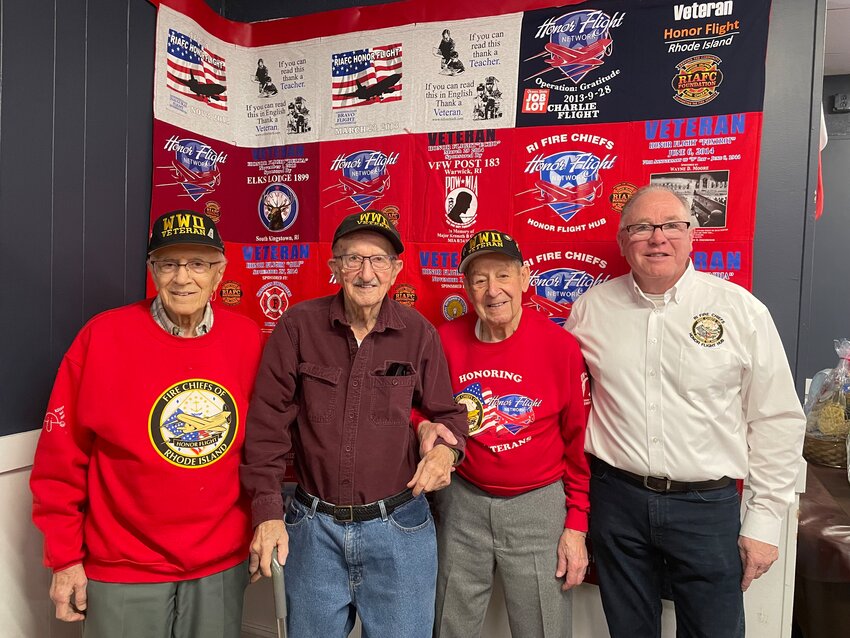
(691, 390)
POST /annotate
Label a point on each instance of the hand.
(429, 432)
(68, 593)
(267, 536)
(572, 558)
(434, 471)
(756, 559)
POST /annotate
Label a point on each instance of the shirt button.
(348, 448)
(345, 481)
(652, 373)
(355, 383)
(653, 340)
(656, 311)
(351, 415)
(655, 440)
(652, 407)
(395, 381)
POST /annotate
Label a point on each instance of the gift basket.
(828, 412)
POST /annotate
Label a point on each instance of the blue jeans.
(384, 570)
(640, 537)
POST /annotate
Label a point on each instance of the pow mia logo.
(193, 423)
(707, 330)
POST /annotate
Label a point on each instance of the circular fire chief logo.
(474, 410)
(230, 293)
(697, 80)
(707, 330)
(274, 299)
(405, 294)
(193, 423)
(620, 194)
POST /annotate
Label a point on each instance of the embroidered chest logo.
(707, 330)
(193, 423)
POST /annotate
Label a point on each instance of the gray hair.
(652, 188)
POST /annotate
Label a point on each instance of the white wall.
(25, 608)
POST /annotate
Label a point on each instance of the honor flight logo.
(193, 423)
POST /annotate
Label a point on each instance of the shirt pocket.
(707, 373)
(391, 399)
(320, 387)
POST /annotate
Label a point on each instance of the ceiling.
(836, 59)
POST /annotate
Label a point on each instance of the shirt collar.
(676, 291)
(161, 318)
(388, 315)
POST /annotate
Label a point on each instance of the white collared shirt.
(694, 386)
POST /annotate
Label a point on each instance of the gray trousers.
(209, 607)
(479, 534)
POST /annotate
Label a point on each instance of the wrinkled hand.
(429, 432)
(572, 558)
(434, 471)
(267, 536)
(756, 559)
(68, 593)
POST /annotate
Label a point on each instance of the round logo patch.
(474, 410)
(405, 294)
(193, 423)
(454, 306)
(707, 330)
(231, 293)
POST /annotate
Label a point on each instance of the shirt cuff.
(576, 520)
(266, 508)
(762, 527)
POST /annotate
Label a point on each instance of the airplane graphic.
(375, 91)
(582, 58)
(367, 191)
(210, 90)
(558, 312)
(580, 194)
(215, 423)
(197, 184)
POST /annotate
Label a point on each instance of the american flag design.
(357, 76)
(480, 405)
(195, 71)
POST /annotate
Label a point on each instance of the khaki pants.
(479, 534)
(209, 607)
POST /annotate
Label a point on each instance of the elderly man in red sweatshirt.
(519, 504)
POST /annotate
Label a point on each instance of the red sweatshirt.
(136, 471)
(527, 399)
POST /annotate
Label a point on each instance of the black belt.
(664, 484)
(354, 513)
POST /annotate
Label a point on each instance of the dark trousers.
(639, 536)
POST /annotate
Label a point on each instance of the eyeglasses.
(671, 230)
(355, 262)
(196, 266)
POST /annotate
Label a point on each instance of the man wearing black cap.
(519, 502)
(338, 379)
(136, 475)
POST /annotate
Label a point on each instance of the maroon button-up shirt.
(332, 401)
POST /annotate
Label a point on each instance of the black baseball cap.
(488, 241)
(184, 227)
(373, 221)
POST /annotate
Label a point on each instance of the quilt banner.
(536, 118)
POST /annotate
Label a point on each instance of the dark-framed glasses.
(355, 262)
(671, 230)
(170, 267)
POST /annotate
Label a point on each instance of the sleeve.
(59, 474)
(435, 400)
(775, 428)
(271, 413)
(573, 427)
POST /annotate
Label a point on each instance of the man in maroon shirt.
(338, 379)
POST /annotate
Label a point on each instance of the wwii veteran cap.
(184, 227)
(488, 241)
(373, 221)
